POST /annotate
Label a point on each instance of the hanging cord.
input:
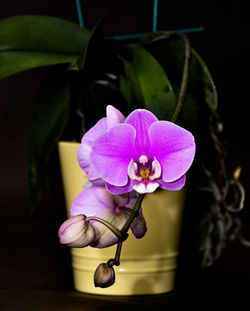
(155, 11)
(79, 13)
(140, 35)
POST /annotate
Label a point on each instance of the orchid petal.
(93, 200)
(173, 186)
(122, 189)
(114, 116)
(173, 147)
(112, 153)
(85, 148)
(141, 120)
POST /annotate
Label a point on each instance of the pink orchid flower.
(140, 153)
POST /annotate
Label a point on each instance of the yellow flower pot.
(148, 265)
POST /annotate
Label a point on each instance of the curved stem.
(123, 233)
(116, 260)
(185, 73)
(108, 225)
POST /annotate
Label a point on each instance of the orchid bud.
(76, 232)
(139, 227)
(104, 276)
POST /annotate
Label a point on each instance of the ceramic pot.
(148, 265)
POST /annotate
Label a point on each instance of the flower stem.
(133, 214)
(108, 225)
(116, 260)
(123, 232)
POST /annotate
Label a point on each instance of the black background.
(30, 256)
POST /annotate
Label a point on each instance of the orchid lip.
(144, 173)
(146, 188)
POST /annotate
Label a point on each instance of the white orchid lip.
(146, 188)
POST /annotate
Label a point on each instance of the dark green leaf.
(92, 47)
(144, 83)
(33, 41)
(50, 118)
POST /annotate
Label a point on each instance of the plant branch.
(186, 67)
(185, 75)
(108, 225)
(133, 214)
(123, 232)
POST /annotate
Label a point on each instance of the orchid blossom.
(139, 153)
(94, 211)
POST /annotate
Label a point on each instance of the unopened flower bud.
(76, 232)
(104, 275)
(139, 227)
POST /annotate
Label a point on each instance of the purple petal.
(122, 189)
(175, 185)
(94, 200)
(114, 116)
(85, 148)
(112, 153)
(173, 147)
(141, 120)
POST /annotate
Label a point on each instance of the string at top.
(79, 13)
(136, 36)
(155, 11)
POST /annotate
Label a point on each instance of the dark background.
(34, 268)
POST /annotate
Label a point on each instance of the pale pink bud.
(76, 232)
(104, 276)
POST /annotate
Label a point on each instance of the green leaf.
(92, 48)
(50, 118)
(169, 53)
(32, 41)
(144, 83)
(130, 86)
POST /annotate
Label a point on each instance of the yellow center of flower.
(144, 173)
